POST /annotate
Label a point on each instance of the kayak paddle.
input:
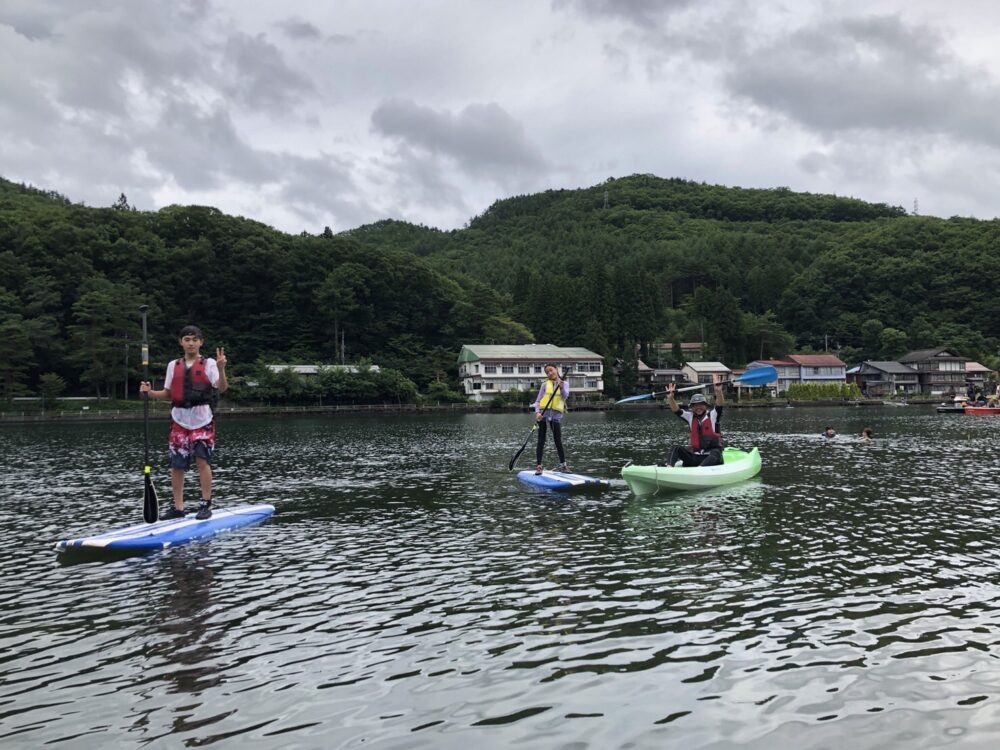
(534, 427)
(756, 376)
(150, 505)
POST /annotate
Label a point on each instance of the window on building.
(538, 369)
(477, 386)
(524, 369)
(489, 386)
(490, 369)
(507, 369)
(476, 369)
(591, 384)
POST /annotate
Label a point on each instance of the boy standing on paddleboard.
(191, 385)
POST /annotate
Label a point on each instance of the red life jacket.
(190, 386)
(703, 435)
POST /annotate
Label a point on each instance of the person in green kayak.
(550, 406)
(706, 437)
(191, 385)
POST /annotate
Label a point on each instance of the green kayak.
(736, 466)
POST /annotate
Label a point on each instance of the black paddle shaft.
(143, 309)
(150, 504)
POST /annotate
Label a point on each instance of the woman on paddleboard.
(191, 385)
(550, 406)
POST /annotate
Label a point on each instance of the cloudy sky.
(311, 113)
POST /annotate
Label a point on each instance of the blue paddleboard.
(559, 480)
(163, 534)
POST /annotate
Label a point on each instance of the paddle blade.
(758, 376)
(150, 505)
(534, 429)
(640, 397)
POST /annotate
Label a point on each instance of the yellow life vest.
(557, 403)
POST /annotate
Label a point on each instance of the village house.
(310, 370)
(885, 378)
(788, 373)
(656, 378)
(819, 368)
(939, 370)
(702, 372)
(485, 370)
(978, 375)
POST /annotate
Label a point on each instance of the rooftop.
(817, 360)
(708, 367)
(894, 368)
(533, 352)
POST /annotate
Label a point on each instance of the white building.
(315, 369)
(488, 369)
(702, 372)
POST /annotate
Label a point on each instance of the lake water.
(410, 593)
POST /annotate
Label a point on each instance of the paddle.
(756, 376)
(534, 427)
(150, 505)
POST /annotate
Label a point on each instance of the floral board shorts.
(185, 445)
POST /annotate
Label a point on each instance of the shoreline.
(132, 415)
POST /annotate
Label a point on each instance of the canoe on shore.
(736, 466)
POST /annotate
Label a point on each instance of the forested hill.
(72, 279)
(644, 259)
(633, 261)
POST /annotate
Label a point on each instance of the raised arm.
(671, 401)
(717, 387)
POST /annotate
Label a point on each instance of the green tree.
(894, 343)
(15, 358)
(103, 315)
(343, 293)
(50, 387)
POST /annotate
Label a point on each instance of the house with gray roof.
(702, 372)
(485, 370)
(886, 378)
(939, 370)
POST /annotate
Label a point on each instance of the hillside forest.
(628, 268)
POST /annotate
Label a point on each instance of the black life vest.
(190, 386)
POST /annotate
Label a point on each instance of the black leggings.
(556, 438)
(711, 457)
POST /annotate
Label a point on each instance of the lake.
(409, 592)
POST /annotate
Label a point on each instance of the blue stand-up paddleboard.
(559, 480)
(163, 534)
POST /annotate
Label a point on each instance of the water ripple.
(409, 592)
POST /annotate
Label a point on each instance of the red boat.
(983, 411)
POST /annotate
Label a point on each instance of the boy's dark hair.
(191, 331)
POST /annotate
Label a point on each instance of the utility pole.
(125, 391)
(826, 343)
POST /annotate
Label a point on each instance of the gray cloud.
(257, 76)
(350, 112)
(296, 28)
(642, 13)
(480, 138)
(872, 73)
(203, 151)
